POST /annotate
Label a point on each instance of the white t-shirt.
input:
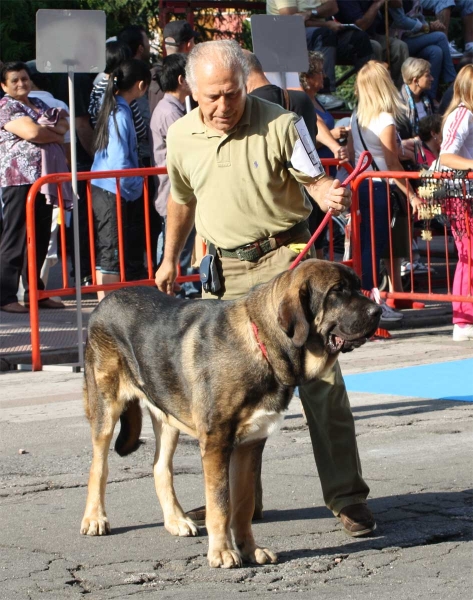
(52, 102)
(274, 6)
(371, 138)
(458, 133)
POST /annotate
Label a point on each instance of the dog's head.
(323, 305)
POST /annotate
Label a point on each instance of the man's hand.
(334, 26)
(165, 277)
(337, 198)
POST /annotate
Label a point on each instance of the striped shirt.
(458, 133)
(96, 102)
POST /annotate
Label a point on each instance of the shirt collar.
(199, 127)
(170, 99)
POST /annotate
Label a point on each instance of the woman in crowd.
(427, 40)
(373, 128)
(21, 138)
(116, 148)
(417, 83)
(457, 153)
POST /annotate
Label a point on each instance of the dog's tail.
(131, 420)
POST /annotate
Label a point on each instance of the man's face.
(221, 95)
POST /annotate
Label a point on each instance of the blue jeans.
(433, 47)
(381, 229)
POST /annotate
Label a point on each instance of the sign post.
(71, 41)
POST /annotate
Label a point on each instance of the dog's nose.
(374, 311)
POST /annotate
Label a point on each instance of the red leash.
(363, 163)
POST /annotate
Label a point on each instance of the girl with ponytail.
(116, 148)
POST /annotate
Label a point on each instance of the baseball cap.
(176, 33)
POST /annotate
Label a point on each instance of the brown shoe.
(357, 520)
(198, 515)
(14, 307)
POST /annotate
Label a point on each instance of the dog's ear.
(292, 317)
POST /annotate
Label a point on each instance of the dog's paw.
(181, 526)
(260, 556)
(227, 559)
(95, 526)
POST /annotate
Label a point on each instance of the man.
(179, 37)
(236, 165)
(171, 108)
(443, 11)
(299, 102)
(367, 15)
(336, 42)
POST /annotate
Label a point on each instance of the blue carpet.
(441, 381)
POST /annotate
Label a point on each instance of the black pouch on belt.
(208, 272)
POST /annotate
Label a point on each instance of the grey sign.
(70, 40)
(279, 42)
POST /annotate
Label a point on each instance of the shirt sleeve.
(291, 138)
(140, 125)
(456, 130)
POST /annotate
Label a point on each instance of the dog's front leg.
(244, 472)
(175, 519)
(216, 463)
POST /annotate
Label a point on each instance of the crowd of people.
(236, 174)
(404, 82)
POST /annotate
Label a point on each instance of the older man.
(235, 166)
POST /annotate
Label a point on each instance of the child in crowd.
(456, 152)
(116, 148)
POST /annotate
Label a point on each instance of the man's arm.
(368, 18)
(329, 195)
(180, 220)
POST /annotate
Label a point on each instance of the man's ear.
(292, 317)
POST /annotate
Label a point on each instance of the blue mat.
(441, 381)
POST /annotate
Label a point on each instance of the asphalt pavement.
(416, 453)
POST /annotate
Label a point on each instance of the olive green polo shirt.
(244, 187)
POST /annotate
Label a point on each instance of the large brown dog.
(222, 372)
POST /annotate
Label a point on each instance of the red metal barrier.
(35, 295)
(435, 286)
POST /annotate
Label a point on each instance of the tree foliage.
(18, 21)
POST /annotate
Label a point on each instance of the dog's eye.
(337, 288)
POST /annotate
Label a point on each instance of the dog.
(222, 372)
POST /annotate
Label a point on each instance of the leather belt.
(255, 250)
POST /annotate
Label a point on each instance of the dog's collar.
(262, 347)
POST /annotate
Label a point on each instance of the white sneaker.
(463, 334)
(417, 266)
(389, 314)
(330, 101)
(454, 51)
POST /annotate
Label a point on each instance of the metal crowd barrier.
(438, 240)
(346, 231)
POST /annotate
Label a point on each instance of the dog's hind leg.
(103, 411)
(244, 470)
(175, 519)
